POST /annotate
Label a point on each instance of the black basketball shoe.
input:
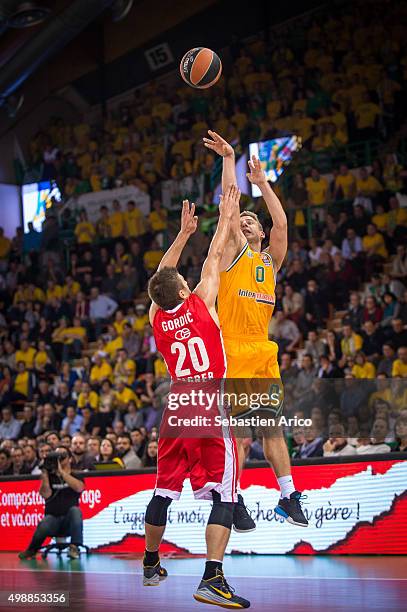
(242, 521)
(290, 509)
(154, 574)
(216, 591)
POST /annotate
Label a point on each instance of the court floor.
(287, 583)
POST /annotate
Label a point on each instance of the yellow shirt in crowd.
(399, 369)
(116, 222)
(88, 399)
(367, 370)
(376, 242)
(84, 232)
(102, 372)
(317, 190)
(27, 357)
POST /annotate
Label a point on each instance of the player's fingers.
(215, 135)
(230, 190)
(192, 211)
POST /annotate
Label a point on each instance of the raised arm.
(278, 235)
(189, 224)
(207, 289)
(225, 150)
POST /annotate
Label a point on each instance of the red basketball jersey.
(190, 341)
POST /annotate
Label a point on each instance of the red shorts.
(211, 464)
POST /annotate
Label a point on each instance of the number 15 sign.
(159, 56)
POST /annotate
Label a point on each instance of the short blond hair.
(249, 213)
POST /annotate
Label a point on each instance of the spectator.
(372, 341)
(101, 307)
(386, 363)
(351, 342)
(9, 426)
(284, 331)
(362, 367)
(132, 419)
(314, 346)
(317, 188)
(31, 463)
(345, 184)
(401, 434)
(81, 460)
(72, 423)
(150, 457)
(17, 459)
(397, 336)
(293, 304)
(139, 441)
(352, 246)
(28, 423)
(312, 445)
(126, 453)
(6, 466)
(93, 447)
(354, 314)
(337, 444)
(399, 367)
(305, 377)
(108, 453)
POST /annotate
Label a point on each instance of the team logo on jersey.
(250, 254)
(266, 259)
(183, 334)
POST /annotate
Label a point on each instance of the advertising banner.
(92, 202)
(353, 508)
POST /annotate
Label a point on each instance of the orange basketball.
(200, 67)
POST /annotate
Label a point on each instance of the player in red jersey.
(187, 334)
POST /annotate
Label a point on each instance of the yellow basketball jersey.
(247, 296)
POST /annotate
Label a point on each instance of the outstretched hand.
(256, 175)
(218, 144)
(189, 222)
(229, 202)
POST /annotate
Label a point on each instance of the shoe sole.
(231, 606)
(243, 530)
(287, 518)
(153, 581)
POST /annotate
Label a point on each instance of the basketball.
(200, 67)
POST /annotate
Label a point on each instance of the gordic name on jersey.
(190, 341)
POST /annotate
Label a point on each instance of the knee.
(221, 513)
(74, 513)
(156, 513)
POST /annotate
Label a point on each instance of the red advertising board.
(355, 508)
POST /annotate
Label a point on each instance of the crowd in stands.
(337, 84)
(78, 361)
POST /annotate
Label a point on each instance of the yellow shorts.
(255, 359)
(252, 370)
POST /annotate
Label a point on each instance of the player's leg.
(237, 385)
(276, 453)
(155, 522)
(219, 456)
(171, 472)
(242, 521)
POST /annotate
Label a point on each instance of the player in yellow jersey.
(245, 305)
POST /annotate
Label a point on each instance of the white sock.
(286, 485)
